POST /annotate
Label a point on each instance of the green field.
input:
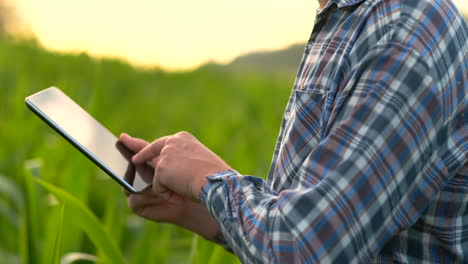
(236, 113)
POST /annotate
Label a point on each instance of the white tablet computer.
(87, 135)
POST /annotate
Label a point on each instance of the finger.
(136, 201)
(148, 197)
(151, 208)
(134, 144)
(148, 191)
(150, 151)
(159, 189)
(145, 195)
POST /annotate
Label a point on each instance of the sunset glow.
(176, 34)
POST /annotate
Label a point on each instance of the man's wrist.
(198, 186)
(200, 182)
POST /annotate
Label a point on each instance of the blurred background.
(222, 70)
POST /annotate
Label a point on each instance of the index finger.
(134, 144)
(150, 151)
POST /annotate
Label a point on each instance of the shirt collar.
(340, 4)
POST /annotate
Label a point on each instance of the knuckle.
(163, 151)
(166, 151)
(162, 165)
(171, 140)
(183, 134)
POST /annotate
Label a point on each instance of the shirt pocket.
(301, 133)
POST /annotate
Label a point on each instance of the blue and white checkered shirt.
(371, 160)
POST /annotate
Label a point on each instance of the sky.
(172, 34)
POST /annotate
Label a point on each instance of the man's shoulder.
(425, 26)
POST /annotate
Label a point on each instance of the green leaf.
(10, 191)
(219, 255)
(9, 214)
(34, 217)
(193, 248)
(57, 252)
(89, 223)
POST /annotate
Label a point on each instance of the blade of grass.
(58, 240)
(193, 249)
(34, 218)
(77, 256)
(216, 256)
(219, 255)
(9, 214)
(141, 252)
(75, 179)
(202, 251)
(52, 222)
(89, 223)
(10, 191)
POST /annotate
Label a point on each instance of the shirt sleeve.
(379, 163)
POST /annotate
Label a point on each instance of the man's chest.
(319, 92)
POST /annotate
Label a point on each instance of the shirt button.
(287, 115)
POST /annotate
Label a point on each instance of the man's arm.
(381, 166)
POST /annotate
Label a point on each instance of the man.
(371, 160)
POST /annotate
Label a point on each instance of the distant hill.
(284, 61)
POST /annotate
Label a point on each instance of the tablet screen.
(88, 135)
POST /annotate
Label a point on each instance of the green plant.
(56, 204)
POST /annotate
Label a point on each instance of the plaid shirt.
(371, 160)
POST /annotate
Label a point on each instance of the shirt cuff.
(213, 180)
(214, 183)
